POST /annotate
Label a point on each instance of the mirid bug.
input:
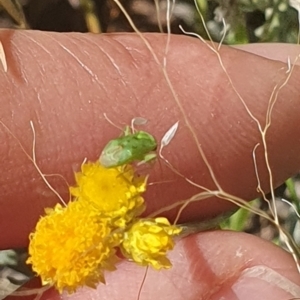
(132, 146)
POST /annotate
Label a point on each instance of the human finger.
(65, 82)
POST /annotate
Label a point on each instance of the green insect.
(132, 146)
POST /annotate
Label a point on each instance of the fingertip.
(208, 265)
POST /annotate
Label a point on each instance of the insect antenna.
(111, 122)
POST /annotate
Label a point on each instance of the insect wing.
(111, 155)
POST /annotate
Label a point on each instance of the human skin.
(64, 83)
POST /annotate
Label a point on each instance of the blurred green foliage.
(246, 21)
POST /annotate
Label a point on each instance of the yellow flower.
(148, 240)
(113, 192)
(72, 247)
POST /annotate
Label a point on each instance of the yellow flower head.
(113, 192)
(72, 246)
(148, 240)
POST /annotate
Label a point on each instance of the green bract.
(126, 149)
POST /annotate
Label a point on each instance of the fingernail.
(261, 282)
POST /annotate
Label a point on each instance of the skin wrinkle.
(111, 60)
(114, 64)
(111, 46)
(131, 85)
(227, 275)
(142, 57)
(39, 96)
(84, 67)
(80, 62)
(41, 65)
(176, 282)
(94, 76)
(89, 71)
(126, 55)
(283, 135)
(208, 137)
(217, 116)
(53, 58)
(21, 70)
(132, 57)
(180, 292)
(44, 161)
(137, 66)
(222, 121)
(212, 281)
(145, 58)
(254, 83)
